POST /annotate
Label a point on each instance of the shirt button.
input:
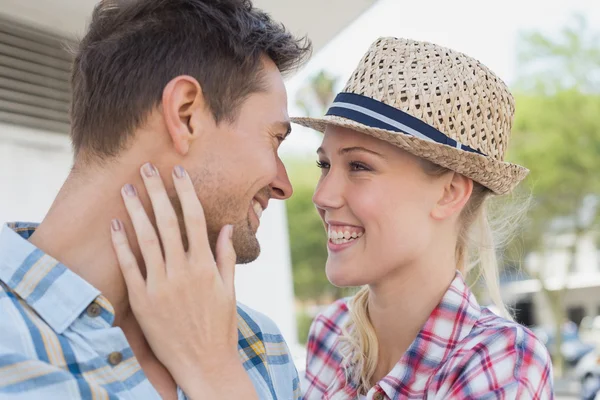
(94, 310)
(115, 358)
(378, 396)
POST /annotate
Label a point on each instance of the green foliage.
(557, 130)
(308, 239)
(307, 235)
(303, 321)
(557, 135)
(315, 97)
(569, 60)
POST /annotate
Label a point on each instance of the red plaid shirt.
(462, 352)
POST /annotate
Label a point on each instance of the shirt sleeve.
(283, 375)
(323, 360)
(511, 364)
(25, 378)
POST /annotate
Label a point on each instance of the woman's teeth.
(341, 235)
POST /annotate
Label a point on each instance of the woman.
(412, 149)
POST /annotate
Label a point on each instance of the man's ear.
(184, 110)
(456, 193)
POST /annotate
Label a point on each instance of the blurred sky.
(486, 30)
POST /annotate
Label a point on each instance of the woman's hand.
(186, 305)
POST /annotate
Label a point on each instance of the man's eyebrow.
(284, 126)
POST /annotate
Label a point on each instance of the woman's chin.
(342, 277)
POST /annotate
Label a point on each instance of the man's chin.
(246, 246)
(247, 257)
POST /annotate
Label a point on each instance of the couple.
(125, 290)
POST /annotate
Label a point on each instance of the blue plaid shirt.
(57, 340)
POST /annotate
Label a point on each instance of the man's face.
(236, 169)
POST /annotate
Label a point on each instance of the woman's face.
(376, 202)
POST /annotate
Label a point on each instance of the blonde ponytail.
(476, 250)
(479, 243)
(361, 346)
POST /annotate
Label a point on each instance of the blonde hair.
(478, 240)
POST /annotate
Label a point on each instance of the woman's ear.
(456, 193)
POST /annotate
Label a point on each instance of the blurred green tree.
(557, 136)
(317, 94)
(308, 240)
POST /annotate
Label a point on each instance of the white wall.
(266, 284)
(34, 164)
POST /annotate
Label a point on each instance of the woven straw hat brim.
(498, 176)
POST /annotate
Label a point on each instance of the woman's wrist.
(226, 378)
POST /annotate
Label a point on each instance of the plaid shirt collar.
(449, 323)
(34, 277)
(462, 351)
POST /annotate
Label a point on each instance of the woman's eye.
(322, 165)
(356, 166)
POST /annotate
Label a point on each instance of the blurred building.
(35, 153)
(580, 280)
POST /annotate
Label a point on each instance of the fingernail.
(179, 171)
(230, 231)
(116, 225)
(129, 190)
(149, 170)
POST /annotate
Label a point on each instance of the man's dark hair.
(133, 48)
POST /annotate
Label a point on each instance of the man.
(195, 83)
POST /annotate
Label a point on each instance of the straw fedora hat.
(433, 102)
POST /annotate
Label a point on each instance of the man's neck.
(76, 232)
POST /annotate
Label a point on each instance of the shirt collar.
(57, 294)
(449, 323)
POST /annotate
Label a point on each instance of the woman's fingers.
(166, 219)
(226, 257)
(146, 235)
(127, 262)
(193, 216)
